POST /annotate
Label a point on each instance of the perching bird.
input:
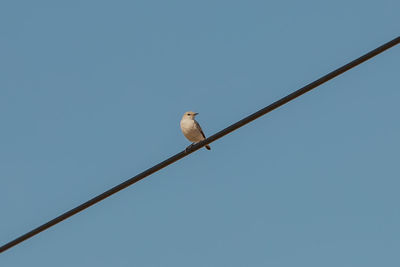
(191, 128)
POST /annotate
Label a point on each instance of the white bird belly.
(190, 131)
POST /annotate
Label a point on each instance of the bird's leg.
(189, 147)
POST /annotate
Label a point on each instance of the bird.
(191, 128)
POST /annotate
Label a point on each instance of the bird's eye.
(188, 114)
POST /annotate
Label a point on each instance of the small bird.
(191, 128)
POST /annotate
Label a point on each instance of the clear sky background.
(92, 92)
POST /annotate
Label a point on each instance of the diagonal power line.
(199, 145)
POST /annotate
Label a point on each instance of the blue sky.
(92, 92)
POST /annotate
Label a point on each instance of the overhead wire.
(199, 145)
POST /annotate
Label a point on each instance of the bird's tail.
(208, 147)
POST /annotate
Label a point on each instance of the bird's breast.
(190, 130)
(187, 125)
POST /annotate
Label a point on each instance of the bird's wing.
(198, 127)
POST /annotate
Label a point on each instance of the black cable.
(199, 145)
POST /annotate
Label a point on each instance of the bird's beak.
(196, 113)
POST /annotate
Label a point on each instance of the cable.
(199, 145)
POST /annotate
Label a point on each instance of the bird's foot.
(189, 147)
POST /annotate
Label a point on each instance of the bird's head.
(189, 115)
